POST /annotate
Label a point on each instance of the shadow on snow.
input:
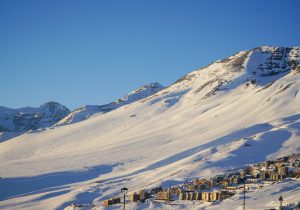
(23, 186)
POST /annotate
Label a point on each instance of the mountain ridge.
(14, 122)
(88, 111)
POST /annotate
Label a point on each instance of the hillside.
(88, 111)
(196, 127)
(14, 122)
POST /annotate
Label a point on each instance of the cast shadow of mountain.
(219, 141)
(4, 136)
(23, 186)
(258, 150)
(252, 130)
(270, 141)
(255, 150)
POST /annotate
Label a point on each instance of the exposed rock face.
(257, 67)
(275, 60)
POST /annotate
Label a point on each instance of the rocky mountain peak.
(269, 61)
(31, 118)
(257, 67)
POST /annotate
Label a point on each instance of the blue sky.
(79, 52)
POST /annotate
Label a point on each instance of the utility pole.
(280, 200)
(244, 203)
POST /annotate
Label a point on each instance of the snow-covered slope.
(85, 112)
(16, 121)
(196, 127)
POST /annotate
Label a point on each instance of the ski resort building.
(164, 195)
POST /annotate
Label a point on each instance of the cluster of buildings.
(278, 169)
(223, 186)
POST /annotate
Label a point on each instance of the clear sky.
(79, 52)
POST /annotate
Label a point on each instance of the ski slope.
(196, 127)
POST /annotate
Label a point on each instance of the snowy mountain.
(30, 118)
(196, 127)
(16, 121)
(85, 112)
